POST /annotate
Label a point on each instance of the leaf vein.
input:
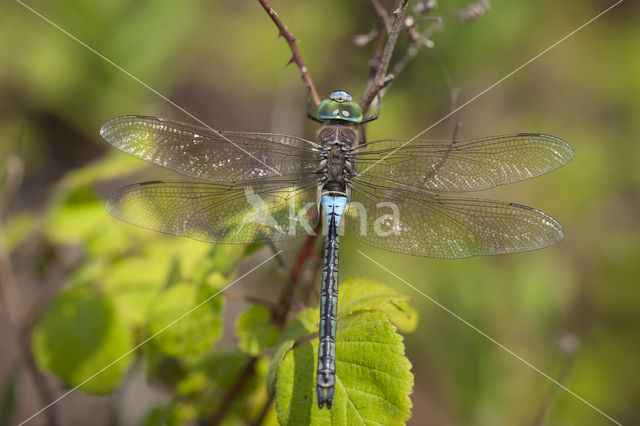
(378, 397)
(373, 369)
(349, 400)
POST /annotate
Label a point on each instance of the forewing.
(210, 155)
(465, 165)
(219, 213)
(442, 226)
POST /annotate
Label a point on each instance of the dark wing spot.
(522, 206)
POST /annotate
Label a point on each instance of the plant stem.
(286, 297)
(379, 79)
(242, 379)
(265, 409)
(291, 41)
(230, 294)
(11, 295)
(279, 258)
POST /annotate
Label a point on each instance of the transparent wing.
(442, 226)
(460, 166)
(204, 154)
(219, 213)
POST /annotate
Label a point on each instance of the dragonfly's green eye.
(339, 106)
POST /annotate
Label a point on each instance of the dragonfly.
(261, 187)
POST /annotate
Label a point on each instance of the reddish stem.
(286, 298)
(291, 41)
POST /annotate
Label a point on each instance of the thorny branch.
(291, 41)
(282, 309)
(418, 40)
(380, 78)
(383, 16)
(386, 35)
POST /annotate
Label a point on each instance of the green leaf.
(78, 212)
(304, 323)
(184, 329)
(210, 380)
(357, 295)
(274, 367)
(79, 334)
(402, 315)
(168, 248)
(133, 283)
(373, 379)
(160, 368)
(196, 259)
(255, 330)
(214, 373)
(112, 165)
(111, 240)
(76, 219)
(163, 416)
(220, 259)
(360, 294)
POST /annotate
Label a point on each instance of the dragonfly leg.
(311, 115)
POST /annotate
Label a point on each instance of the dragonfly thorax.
(343, 134)
(336, 140)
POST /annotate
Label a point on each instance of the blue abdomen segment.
(333, 204)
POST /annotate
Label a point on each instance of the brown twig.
(291, 41)
(282, 309)
(279, 258)
(381, 31)
(474, 11)
(230, 294)
(380, 77)
(568, 345)
(381, 13)
(286, 297)
(265, 410)
(362, 40)
(317, 268)
(11, 295)
(424, 6)
(374, 62)
(418, 40)
(241, 381)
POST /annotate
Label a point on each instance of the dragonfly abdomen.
(333, 204)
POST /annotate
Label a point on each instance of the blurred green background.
(222, 62)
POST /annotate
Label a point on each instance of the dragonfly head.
(339, 106)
